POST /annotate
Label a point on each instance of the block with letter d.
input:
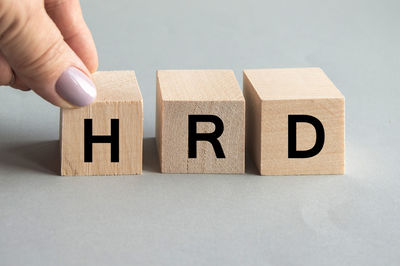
(105, 138)
(200, 122)
(295, 121)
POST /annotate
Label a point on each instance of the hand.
(46, 46)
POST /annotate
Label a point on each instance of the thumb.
(40, 58)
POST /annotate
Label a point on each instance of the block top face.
(199, 85)
(292, 84)
(116, 86)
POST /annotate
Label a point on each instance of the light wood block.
(274, 94)
(118, 97)
(181, 93)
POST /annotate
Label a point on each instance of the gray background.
(156, 219)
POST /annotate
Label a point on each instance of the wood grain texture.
(118, 96)
(271, 95)
(210, 92)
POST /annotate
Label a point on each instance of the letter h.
(113, 139)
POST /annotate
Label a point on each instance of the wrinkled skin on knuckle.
(10, 20)
(14, 15)
(45, 63)
(30, 42)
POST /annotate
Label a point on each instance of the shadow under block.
(274, 94)
(118, 97)
(181, 93)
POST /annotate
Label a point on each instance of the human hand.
(46, 46)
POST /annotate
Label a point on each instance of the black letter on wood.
(113, 139)
(210, 137)
(292, 138)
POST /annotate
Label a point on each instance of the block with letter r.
(200, 122)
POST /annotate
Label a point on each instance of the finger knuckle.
(14, 16)
(44, 63)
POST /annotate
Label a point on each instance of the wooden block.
(275, 97)
(117, 112)
(185, 98)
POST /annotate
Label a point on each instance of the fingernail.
(75, 87)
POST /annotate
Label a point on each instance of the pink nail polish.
(75, 87)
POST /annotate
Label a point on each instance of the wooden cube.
(304, 102)
(200, 121)
(105, 138)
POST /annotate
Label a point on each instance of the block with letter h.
(105, 138)
(295, 121)
(200, 122)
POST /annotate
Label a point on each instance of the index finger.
(67, 15)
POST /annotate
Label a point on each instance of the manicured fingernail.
(75, 87)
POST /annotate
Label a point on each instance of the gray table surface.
(156, 219)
